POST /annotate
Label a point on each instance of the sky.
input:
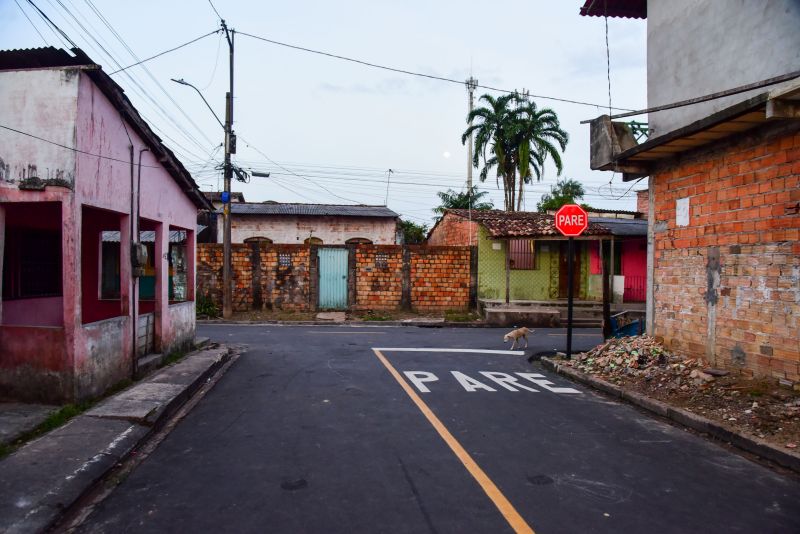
(329, 130)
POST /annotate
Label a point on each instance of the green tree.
(469, 199)
(492, 135)
(413, 233)
(564, 192)
(537, 135)
(513, 136)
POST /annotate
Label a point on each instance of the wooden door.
(563, 273)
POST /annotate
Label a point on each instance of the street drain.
(540, 480)
(294, 485)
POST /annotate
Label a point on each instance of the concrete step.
(147, 364)
(201, 342)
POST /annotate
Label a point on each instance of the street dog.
(516, 334)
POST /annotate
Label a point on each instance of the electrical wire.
(412, 73)
(167, 52)
(73, 148)
(53, 24)
(215, 9)
(32, 24)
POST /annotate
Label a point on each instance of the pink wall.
(46, 311)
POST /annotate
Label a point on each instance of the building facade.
(724, 179)
(315, 224)
(82, 180)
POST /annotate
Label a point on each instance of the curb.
(50, 502)
(686, 418)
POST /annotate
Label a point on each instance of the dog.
(516, 334)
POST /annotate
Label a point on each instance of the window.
(178, 266)
(381, 260)
(109, 265)
(313, 241)
(522, 254)
(258, 239)
(358, 241)
(284, 259)
(32, 264)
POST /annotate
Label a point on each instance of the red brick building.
(724, 185)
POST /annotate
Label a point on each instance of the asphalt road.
(312, 430)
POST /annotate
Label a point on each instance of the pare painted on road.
(490, 381)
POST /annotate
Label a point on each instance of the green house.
(522, 257)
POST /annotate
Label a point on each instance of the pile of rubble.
(643, 356)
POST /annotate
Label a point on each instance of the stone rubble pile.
(643, 356)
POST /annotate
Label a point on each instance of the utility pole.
(472, 84)
(230, 148)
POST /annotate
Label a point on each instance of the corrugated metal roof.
(502, 224)
(629, 9)
(622, 227)
(270, 208)
(49, 57)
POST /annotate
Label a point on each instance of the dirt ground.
(759, 407)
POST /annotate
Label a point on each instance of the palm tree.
(492, 135)
(535, 135)
(469, 199)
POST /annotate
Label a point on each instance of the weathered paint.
(95, 342)
(295, 229)
(333, 278)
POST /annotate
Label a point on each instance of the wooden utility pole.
(230, 148)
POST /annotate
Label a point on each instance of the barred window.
(522, 254)
(381, 260)
(284, 259)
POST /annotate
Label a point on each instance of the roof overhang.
(629, 9)
(638, 161)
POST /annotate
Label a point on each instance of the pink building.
(83, 179)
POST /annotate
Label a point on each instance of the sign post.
(571, 221)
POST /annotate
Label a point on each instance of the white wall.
(293, 229)
(698, 47)
(41, 102)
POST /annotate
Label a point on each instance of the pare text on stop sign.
(572, 220)
(490, 381)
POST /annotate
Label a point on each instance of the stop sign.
(571, 220)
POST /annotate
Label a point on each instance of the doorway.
(563, 271)
(333, 278)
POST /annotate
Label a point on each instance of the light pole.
(472, 84)
(230, 148)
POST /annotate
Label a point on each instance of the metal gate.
(332, 278)
(146, 334)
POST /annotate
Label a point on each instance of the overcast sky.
(340, 125)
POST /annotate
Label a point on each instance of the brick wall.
(642, 198)
(440, 278)
(453, 230)
(381, 277)
(727, 283)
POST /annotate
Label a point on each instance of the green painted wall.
(537, 284)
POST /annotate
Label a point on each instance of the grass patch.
(53, 421)
(172, 357)
(376, 316)
(459, 316)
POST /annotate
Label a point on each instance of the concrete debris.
(643, 356)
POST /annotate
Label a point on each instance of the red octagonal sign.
(571, 220)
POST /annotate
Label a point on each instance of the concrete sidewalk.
(43, 478)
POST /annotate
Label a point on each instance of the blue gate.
(332, 278)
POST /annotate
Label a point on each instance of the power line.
(215, 9)
(53, 24)
(32, 24)
(294, 173)
(412, 73)
(167, 52)
(73, 148)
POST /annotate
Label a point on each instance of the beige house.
(318, 224)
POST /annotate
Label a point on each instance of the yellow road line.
(492, 491)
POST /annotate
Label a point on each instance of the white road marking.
(471, 351)
(419, 377)
(507, 381)
(470, 384)
(540, 380)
